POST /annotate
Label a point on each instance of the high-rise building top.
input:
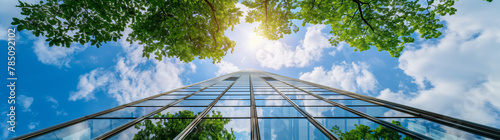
(253, 104)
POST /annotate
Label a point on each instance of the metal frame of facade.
(268, 84)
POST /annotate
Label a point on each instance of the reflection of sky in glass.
(236, 96)
(263, 89)
(336, 97)
(435, 130)
(352, 102)
(194, 102)
(173, 110)
(265, 92)
(381, 112)
(301, 97)
(272, 103)
(84, 130)
(289, 129)
(269, 97)
(202, 97)
(328, 112)
(155, 103)
(170, 97)
(233, 103)
(322, 93)
(130, 112)
(231, 93)
(278, 112)
(311, 102)
(231, 111)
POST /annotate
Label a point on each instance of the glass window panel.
(240, 127)
(381, 112)
(188, 89)
(336, 96)
(435, 130)
(272, 103)
(84, 130)
(348, 124)
(326, 92)
(328, 112)
(293, 92)
(203, 97)
(278, 112)
(316, 89)
(239, 89)
(233, 103)
(194, 103)
(155, 103)
(265, 92)
(263, 89)
(231, 93)
(229, 112)
(311, 102)
(180, 93)
(269, 97)
(288, 90)
(289, 129)
(176, 111)
(171, 97)
(301, 97)
(131, 112)
(236, 96)
(352, 102)
(208, 93)
(214, 89)
(169, 129)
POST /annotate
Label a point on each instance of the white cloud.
(25, 102)
(353, 77)
(132, 78)
(462, 68)
(192, 66)
(276, 54)
(55, 105)
(55, 55)
(225, 68)
(32, 125)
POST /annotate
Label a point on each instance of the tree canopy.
(167, 129)
(189, 29)
(363, 132)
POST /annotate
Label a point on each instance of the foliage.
(178, 28)
(275, 17)
(189, 29)
(362, 132)
(386, 24)
(166, 129)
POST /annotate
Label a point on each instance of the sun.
(255, 41)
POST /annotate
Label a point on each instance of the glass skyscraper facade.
(253, 104)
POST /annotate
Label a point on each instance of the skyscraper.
(253, 104)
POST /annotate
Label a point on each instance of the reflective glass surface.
(229, 112)
(236, 96)
(328, 112)
(289, 129)
(301, 97)
(130, 112)
(233, 103)
(176, 112)
(155, 129)
(84, 130)
(155, 103)
(194, 103)
(277, 96)
(278, 112)
(272, 103)
(311, 102)
(170, 97)
(221, 128)
(202, 97)
(352, 102)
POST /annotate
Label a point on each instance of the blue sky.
(457, 74)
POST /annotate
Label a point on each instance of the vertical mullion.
(384, 123)
(195, 122)
(127, 125)
(305, 114)
(255, 122)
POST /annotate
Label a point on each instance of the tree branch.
(361, 14)
(215, 18)
(265, 6)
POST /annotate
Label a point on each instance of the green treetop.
(189, 29)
